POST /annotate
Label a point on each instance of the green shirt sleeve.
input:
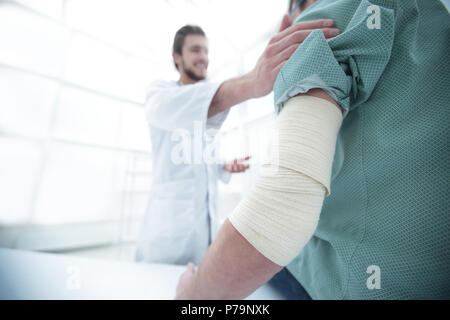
(348, 66)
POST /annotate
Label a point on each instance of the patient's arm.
(319, 93)
(232, 267)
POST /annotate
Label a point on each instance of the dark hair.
(178, 41)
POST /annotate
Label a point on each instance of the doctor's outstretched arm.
(278, 216)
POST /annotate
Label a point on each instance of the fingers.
(284, 44)
(315, 24)
(306, 25)
(277, 69)
(297, 37)
(330, 32)
(286, 53)
(242, 159)
(190, 267)
(288, 45)
(239, 168)
(285, 22)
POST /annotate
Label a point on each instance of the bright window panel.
(233, 119)
(78, 185)
(132, 184)
(137, 75)
(140, 20)
(52, 8)
(94, 65)
(136, 206)
(20, 163)
(134, 131)
(32, 42)
(100, 67)
(26, 102)
(87, 118)
(258, 108)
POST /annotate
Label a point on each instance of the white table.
(35, 275)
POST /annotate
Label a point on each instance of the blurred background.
(75, 153)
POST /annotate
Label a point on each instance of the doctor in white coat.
(178, 224)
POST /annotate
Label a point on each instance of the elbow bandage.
(280, 214)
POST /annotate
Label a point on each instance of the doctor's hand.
(185, 283)
(236, 165)
(281, 47)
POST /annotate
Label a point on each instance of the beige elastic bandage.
(281, 212)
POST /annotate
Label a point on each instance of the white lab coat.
(177, 224)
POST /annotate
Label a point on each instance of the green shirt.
(390, 202)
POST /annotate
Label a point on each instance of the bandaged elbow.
(280, 214)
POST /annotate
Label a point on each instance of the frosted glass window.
(259, 136)
(133, 177)
(259, 108)
(135, 206)
(233, 144)
(138, 182)
(52, 8)
(26, 102)
(96, 66)
(134, 131)
(32, 42)
(88, 118)
(224, 58)
(78, 185)
(140, 20)
(20, 164)
(137, 75)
